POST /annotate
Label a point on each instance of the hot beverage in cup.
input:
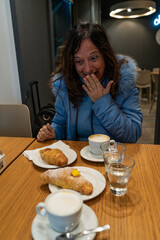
(95, 142)
(99, 138)
(63, 203)
(63, 209)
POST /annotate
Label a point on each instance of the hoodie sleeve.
(122, 122)
(59, 120)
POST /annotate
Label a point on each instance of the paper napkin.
(32, 154)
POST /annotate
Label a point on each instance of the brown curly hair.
(97, 34)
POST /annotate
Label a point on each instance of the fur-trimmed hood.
(128, 73)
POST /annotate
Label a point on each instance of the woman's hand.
(46, 133)
(94, 88)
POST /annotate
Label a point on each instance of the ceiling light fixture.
(132, 9)
(71, 1)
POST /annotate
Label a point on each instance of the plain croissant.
(54, 156)
(63, 177)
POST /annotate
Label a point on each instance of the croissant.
(54, 156)
(66, 178)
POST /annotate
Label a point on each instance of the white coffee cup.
(63, 209)
(95, 142)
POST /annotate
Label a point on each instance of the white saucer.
(86, 154)
(41, 229)
(95, 177)
(70, 154)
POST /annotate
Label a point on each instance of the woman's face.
(89, 60)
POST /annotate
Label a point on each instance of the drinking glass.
(118, 169)
(115, 147)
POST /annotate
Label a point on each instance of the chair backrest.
(155, 80)
(144, 78)
(156, 70)
(15, 120)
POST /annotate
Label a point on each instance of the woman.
(97, 92)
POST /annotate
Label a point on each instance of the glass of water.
(118, 169)
(114, 147)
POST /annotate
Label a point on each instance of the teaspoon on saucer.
(71, 236)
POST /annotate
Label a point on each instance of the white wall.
(9, 78)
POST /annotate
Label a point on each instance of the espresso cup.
(63, 209)
(95, 142)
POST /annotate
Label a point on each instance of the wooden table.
(12, 147)
(135, 216)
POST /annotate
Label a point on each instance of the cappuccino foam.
(99, 138)
(63, 203)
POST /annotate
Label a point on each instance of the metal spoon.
(71, 236)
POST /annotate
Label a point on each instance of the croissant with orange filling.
(69, 178)
(54, 156)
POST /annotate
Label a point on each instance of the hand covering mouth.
(85, 74)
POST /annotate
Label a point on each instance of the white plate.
(70, 154)
(86, 154)
(41, 229)
(96, 178)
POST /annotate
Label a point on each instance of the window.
(62, 21)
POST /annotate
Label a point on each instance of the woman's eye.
(78, 62)
(94, 58)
